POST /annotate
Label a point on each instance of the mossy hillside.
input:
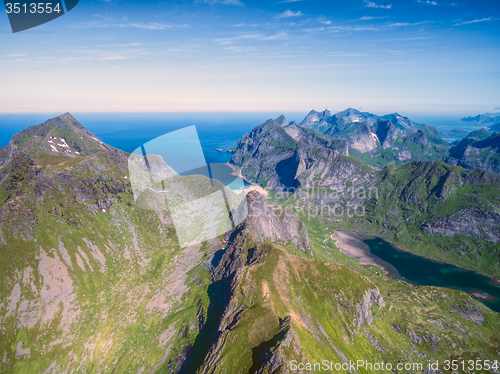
(127, 254)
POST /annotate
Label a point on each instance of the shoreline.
(253, 186)
(494, 281)
(351, 244)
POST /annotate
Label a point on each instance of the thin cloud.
(121, 45)
(223, 2)
(135, 25)
(12, 55)
(249, 36)
(289, 13)
(380, 27)
(427, 2)
(369, 18)
(347, 54)
(371, 4)
(475, 21)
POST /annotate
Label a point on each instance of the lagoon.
(426, 272)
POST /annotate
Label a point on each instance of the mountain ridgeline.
(93, 282)
(447, 211)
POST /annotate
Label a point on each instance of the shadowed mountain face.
(292, 156)
(91, 282)
(480, 149)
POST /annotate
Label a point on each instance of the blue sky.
(427, 56)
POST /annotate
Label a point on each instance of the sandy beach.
(351, 243)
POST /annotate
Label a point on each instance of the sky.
(383, 56)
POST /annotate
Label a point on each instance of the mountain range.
(487, 119)
(432, 208)
(93, 282)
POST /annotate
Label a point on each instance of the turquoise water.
(425, 272)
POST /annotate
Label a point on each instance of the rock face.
(363, 309)
(280, 225)
(469, 312)
(469, 222)
(291, 156)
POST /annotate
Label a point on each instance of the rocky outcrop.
(363, 309)
(469, 312)
(478, 223)
(270, 356)
(280, 225)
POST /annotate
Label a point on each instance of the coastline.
(253, 187)
(351, 243)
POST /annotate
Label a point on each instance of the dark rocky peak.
(479, 134)
(477, 139)
(433, 135)
(493, 141)
(426, 136)
(418, 138)
(386, 132)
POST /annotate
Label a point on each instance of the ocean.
(128, 131)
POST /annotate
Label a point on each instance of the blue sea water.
(128, 131)
(446, 123)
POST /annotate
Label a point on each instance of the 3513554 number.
(32, 8)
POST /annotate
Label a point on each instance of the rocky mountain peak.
(281, 120)
(59, 136)
(314, 117)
